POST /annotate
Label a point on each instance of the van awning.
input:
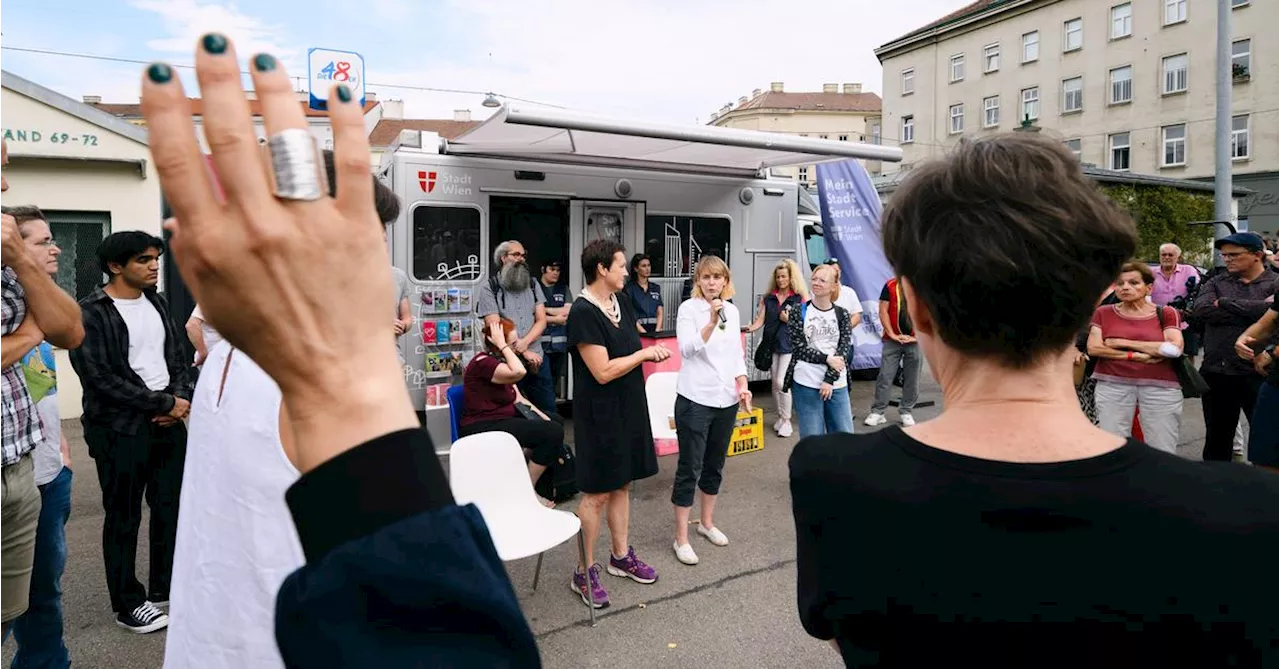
(553, 134)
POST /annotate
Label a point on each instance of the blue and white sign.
(326, 67)
(851, 227)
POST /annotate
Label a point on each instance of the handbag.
(1193, 385)
(560, 482)
(527, 411)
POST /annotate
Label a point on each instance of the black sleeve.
(584, 327)
(884, 293)
(808, 509)
(397, 575)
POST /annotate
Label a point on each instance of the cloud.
(186, 20)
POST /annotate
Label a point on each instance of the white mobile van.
(555, 180)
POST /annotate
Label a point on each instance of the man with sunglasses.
(1227, 305)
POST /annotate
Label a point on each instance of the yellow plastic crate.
(748, 433)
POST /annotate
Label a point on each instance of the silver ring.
(297, 169)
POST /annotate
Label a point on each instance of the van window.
(676, 242)
(815, 246)
(446, 243)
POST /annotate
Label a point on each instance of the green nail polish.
(214, 43)
(160, 73)
(264, 62)
(344, 93)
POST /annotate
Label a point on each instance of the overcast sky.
(660, 60)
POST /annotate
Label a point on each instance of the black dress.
(612, 437)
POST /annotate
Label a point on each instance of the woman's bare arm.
(606, 369)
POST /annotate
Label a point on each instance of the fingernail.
(264, 62)
(214, 43)
(160, 73)
(344, 93)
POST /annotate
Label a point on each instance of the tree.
(1161, 214)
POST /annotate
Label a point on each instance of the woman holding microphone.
(711, 386)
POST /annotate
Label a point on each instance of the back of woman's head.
(385, 201)
(482, 333)
(1007, 244)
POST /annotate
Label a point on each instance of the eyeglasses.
(517, 254)
(48, 243)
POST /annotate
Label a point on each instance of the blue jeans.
(539, 388)
(814, 416)
(39, 630)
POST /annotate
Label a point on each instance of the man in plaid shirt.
(136, 392)
(33, 308)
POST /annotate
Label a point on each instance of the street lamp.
(491, 101)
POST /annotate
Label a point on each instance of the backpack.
(559, 483)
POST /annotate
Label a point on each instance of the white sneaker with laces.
(685, 554)
(907, 420)
(874, 419)
(714, 535)
(784, 430)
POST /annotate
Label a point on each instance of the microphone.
(722, 317)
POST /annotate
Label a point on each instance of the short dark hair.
(1007, 244)
(598, 252)
(1143, 270)
(121, 247)
(24, 214)
(385, 200)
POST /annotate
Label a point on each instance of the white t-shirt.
(211, 336)
(146, 341)
(822, 331)
(849, 300)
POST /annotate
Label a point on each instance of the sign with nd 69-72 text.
(326, 67)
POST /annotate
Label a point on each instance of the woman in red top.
(490, 399)
(1135, 346)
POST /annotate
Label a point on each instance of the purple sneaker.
(598, 594)
(631, 567)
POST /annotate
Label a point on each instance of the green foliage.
(1162, 214)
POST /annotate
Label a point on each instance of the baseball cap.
(1248, 240)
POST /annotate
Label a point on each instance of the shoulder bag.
(1193, 385)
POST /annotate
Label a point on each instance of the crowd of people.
(314, 532)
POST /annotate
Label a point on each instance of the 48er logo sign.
(449, 184)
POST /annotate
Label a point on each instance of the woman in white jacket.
(711, 386)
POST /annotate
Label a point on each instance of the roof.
(73, 107)
(549, 134)
(965, 12)
(887, 183)
(134, 110)
(837, 102)
(389, 129)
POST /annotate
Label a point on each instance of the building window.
(991, 111)
(1073, 145)
(1175, 11)
(1073, 34)
(909, 81)
(822, 137)
(1122, 85)
(1175, 145)
(843, 138)
(1175, 73)
(957, 118)
(1119, 144)
(677, 242)
(1122, 20)
(1072, 94)
(957, 67)
(1030, 104)
(77, 235)
(1240, 58)
(446, 243)
(991, 57)
(804, 176)
(908, 129)
(875, 133)
(1240, 137)
(1239, 3)
(1031, 46)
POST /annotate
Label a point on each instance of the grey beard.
(514, 278)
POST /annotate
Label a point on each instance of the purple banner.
(851, 226)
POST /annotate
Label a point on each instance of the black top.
(1226, 306)
(1275, 363)
(1124, 559)
(612, 437)
(114, 395)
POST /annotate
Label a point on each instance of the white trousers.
(778, 374)
(1159, 412)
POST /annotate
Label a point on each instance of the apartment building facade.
(839, 112)
(1127, 86)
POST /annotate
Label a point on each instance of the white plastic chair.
(660, 388)
(488, 469)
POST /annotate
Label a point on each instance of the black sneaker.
(144, 619)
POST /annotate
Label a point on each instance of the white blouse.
(709, 370)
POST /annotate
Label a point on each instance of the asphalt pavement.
(736, 608)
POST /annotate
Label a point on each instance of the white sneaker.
(685, 554)
(907, 420)
(714, 535)
(874, 419)
(777, 425)
(784, 430)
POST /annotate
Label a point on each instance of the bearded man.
(510, 294)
